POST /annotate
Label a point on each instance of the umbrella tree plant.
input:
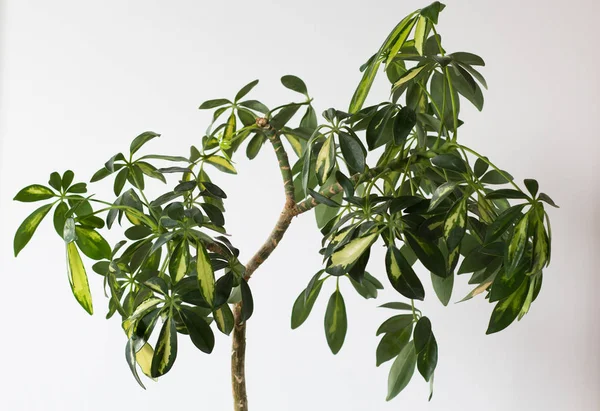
(439, 207)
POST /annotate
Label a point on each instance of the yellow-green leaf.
(34, 192)
(224, 319)
(92, 243)
(229, 131)
(342, 259)
(166, 349)
(455, 224)
(540, 248)
(28, 227)
(178, 265)
(409, 75)
(325, 160)
(144, 359)
(399, 42)
(516, 247)
(222, 164)
(507, 310)
(206, 275)
(420, 34)
(78, 278)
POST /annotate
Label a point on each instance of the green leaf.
(179, 262)
(247, 300)
(163, 157)
(294, 83)
(309, 119)
(467, 58)
(426, 347)
(440, 194)
(455, 224)
(433, 11)
(208, 104)
(336, 323)
(224, 319)
(405, 121)
(221, 163)
(480, 167)
(428, 253)
(420, 34)
(541, 247)
(408, 76)
(395, 40)
(532, 186)
(321, 199)
(140, 140)
(546, 199)
(284, 116)
(450, 162)
(397, 306)
(206, 275)
(443, 287)
(502, 223)
(120, 180)
(130, 357)
(402, 276)
(507, 310)
(304, 304)
(342, 259)
(92, 243)
(395, 324)
(391, 344)
(60, 217)
(255, 105)
(34, 192)
(28, 227)
(495, 177)
(353, 152)
(516, 246)
(78, 278)
(67, 179)
(200, 332)
(55, 181)
(506, 282)
(254, 146)
(402, 370)
(325, 160)
(245, 90)
(506, 193)
(166, 349)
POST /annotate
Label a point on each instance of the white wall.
(80, 79)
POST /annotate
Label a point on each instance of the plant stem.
(238, 361)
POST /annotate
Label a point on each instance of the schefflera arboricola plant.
(440, 208)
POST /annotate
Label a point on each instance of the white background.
(80, 79)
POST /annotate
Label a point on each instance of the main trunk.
(238, 361)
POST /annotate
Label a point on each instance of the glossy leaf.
(245, 90)
(78, 278)
(206, 275)
(391, 344)
(200, 332)
(507, 310)
(92, 243)
(304, 304)
(325, 160)
(34, 192)
(342, 259)
(353, 152)
(208, 104)
(402, 276)
(450, 162)
(166, 349)
(516, 246)
(221, 163)
(294, 83)
(441, 193)
(426, 348)
(405, 121)
(142, 139)
(428, 253)
(336, 323)
(28, 227)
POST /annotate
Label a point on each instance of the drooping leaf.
(443, 287)
(402, 370)
(402, 276)
(304, 304)
(247, 300)
(391, 344)
(78, 278)
(342, 259)
(28, 227)
(336, 323)
(353, 152)
(206, 276)
(166, 349)
(432, 11)
(507, 310)
(200, 332)
(325, 160)
(426, 348)
(403, 124)
(516, 246)
(428, 253)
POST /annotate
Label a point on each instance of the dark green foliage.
(440, 208)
